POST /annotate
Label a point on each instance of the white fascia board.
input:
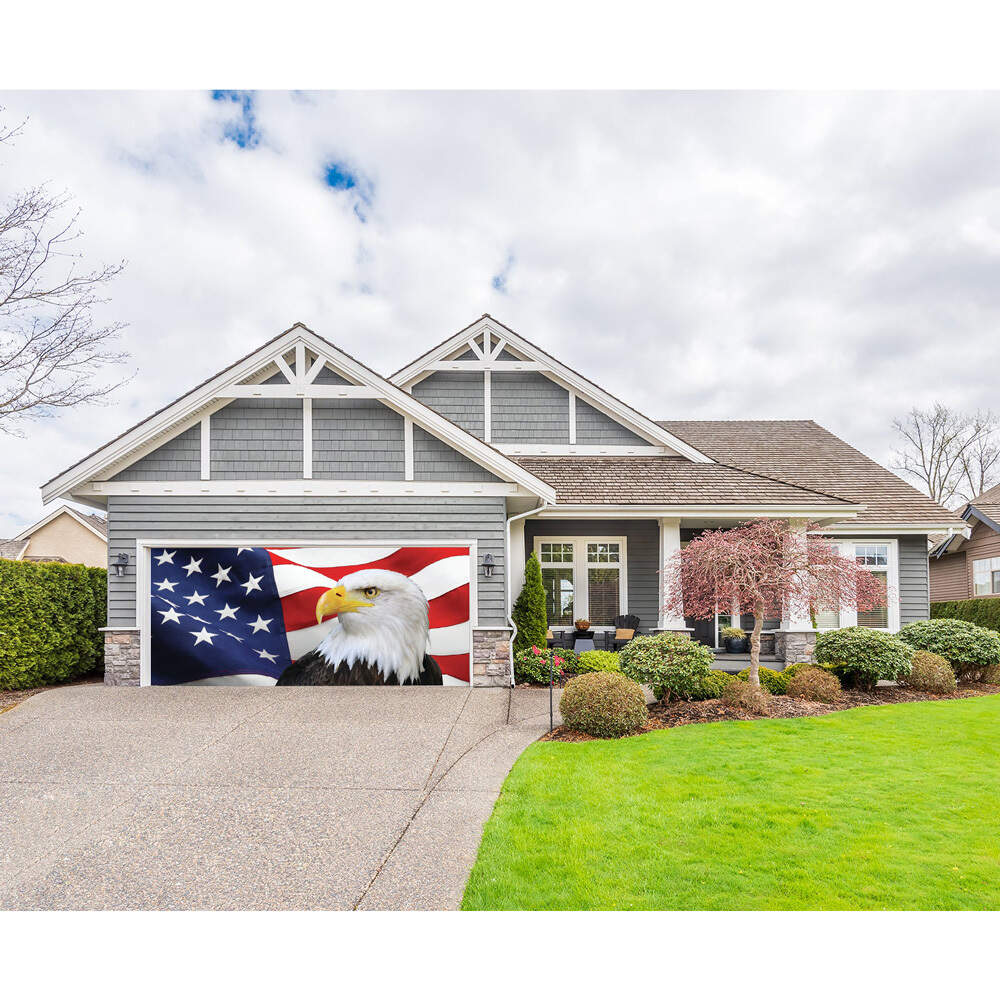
(559, 373)
(898, 528)
(813, 512)
(301, 488)
(51, 516)
(213, 394)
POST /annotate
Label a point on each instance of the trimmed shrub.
(569, 658)
(603, 704)
(968, 648)
(674, 666)
(861, 657)
(529, 608)
(746, 697)
(774, 681)
(592, 660)
(814, 684)
(991, 674)
(930, 672)
(532, 665)
(99, 586)
(982, 611)
(712, 685)
(49, 621)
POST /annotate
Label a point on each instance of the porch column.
(515, 560)
(797, 635)
(670, 542)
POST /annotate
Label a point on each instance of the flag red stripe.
(456, 665)
(407, 561)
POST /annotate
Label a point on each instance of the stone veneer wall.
(794, 647)
(491, 657)
(121, 657)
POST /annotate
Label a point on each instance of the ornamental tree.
(765, 568)
(529, 609)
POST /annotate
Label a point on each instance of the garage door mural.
(310, 616)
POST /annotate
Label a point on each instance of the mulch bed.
(666, 715)
(8, 699)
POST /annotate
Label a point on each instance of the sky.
(701, 255)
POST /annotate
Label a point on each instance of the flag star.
(222, 575)
(195, 618)
(196, 598)
(170, 615)
(244, 549)
(236, 637)
(265, 655)
(204, 636)
(165, 557)
(228, 612)
(166, 585)
(194, 566)
(252, 584)
(261, 624)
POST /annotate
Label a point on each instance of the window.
(985, 576)
(879, 558)
(583, 578)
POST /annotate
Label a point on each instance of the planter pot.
(737, 646)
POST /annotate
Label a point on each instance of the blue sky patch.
(243, 131)
(341, 177)
(499, 280)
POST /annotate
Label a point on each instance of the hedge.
(50, 614)
(982, 611)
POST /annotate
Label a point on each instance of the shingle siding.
(177, 459)
(914, 579)
(457, 396)
(528, 408)
(433, 460)
(594, 427)
(257, 439)
(313, 519)
(356, 439)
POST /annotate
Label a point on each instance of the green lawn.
(893, 807)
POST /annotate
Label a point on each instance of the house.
(63, 535)
(490, 446)
(967, 564)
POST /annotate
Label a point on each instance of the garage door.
(308, 615)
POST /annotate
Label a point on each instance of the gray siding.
(327, 376)
(356, 439)
(914, 579)
(594, 427)
(257, 439)
(528, 408)
(642, 556)
(479, 519)
(179, 458)
(457, 396)
(433, 460)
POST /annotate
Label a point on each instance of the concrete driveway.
(252, 798)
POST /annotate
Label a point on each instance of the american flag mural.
(243, 615)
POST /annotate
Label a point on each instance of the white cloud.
(701, 255)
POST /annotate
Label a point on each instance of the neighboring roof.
(803, 452)
(92, 522)
(990, 497)
(669, 480)
(580, 384)
(12, 548)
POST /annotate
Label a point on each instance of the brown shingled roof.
(991, 496)
(802, 452)
(633, 479)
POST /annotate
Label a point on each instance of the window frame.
(580, 565)
(849, 616)
(990, 571)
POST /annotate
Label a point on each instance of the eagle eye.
(370, 592)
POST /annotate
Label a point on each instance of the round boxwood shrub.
(968, 648)
(774, 681)
(746, 697)
(712, 685)
(814, 684)
(603, 703)
(532, 665)
(861, 657)
(991, 674)
(593, 660)
(672, 665)
(930, 672)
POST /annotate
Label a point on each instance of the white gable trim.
(217, 392)
(64, 509)
(443, 358)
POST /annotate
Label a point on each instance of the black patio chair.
(624, 622)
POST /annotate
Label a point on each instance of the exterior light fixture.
(488, 564)
(121, 561)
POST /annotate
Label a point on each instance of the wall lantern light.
(121, 561)
(488, 564)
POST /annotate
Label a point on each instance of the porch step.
(745, 658)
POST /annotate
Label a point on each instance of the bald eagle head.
(381, 619)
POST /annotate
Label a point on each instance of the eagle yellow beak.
(338, 602)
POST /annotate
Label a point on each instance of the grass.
(889, 807)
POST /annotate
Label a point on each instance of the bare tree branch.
(53, 348)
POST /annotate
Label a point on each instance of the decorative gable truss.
(513, 395)
(296, 417)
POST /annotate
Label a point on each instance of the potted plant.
(582, 624)
(734, 639)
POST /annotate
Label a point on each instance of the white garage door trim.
(143, 556)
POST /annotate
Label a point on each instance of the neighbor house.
(63, 535)
(967, 564)
(489, 442)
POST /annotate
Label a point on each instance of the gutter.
(510, 604)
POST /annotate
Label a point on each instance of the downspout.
(506, 564)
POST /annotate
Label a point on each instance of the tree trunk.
(758, 624)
